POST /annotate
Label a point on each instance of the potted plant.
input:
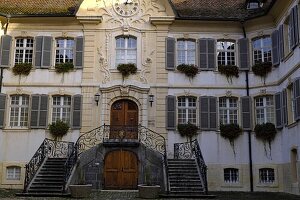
(81, 189)
(187, 130)
(149, 190)
(126, 69)
(265, 132)
(262, 69)
(64, 67)
(230, 132)
(189, 70)
(22, 69)
(229, 71)
(58, 129)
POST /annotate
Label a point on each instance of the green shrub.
(59, 128)
(230, 131)
(265, 131)
(262, 69)
(229, 71)
(22, 69)
(187, 130)
(64, 67)
(127, 69)
(189, 70)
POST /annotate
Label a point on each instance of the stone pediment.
(124, 13)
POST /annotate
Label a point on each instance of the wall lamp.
(151, 99)
(97, 98)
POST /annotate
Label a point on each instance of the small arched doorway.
(120, 170)
(124, 120)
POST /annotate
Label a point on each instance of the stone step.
(197, 195)
(185, 181)
(43, 194)
(52, 172)
(51, 176)
(47, 190)
(186, 189)
(183, 174)
(185, 184)
(183, 171)
(51, 186)
(47, 182)
(183, 166)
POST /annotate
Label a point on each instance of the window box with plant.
(229, 71)
(262, 69)
(230, 132)
(64, 67)
(189, 70)
(22, 69)
(187, 130)
(265, 132)
(126, 69)
(59, 129)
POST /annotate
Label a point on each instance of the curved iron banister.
(191, 150)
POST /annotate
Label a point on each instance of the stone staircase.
(50, 179)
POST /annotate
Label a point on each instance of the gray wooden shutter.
(244, 53)
(278, 109)
(43, 111)
(246, 113)
(77, 107)
(296, 89)
(292, 29)
(35, 105)
(46, 52)
(275, 49)
(39, 111)
(281, 42)
(208, 113)
(296, 25)
(207, 54)
(5, 50)
(38, 51)
(2, 109)
(284, 108)
(79, 42)
(171, 112)
(170, 53)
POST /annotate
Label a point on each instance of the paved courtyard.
(129, 195)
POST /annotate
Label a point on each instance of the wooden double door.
(124, 120)
(121, 170)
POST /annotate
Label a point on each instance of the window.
(266, 175)
(291, 104)
(264, 107)
(126, 50)
(254, 4)
(13, 173)
(226, 52)
(186, 52)
(64, 50)
(231, 175)
(19, 110)
(287, 35)
(228, 109)
(61, 108)
(187, 110)
(24, 50)
(262, 48)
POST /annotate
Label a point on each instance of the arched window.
(228, 110)
(231, 175)
(24, 50)
(126, 50)
(186, 51)
(19, 106)
(13, 173)
(187, 110)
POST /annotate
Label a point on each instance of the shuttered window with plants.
(23, 56)
(19, 109)
(126, 50)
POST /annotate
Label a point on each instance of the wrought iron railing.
(48, 149)
(191, 150)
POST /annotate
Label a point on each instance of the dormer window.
(254, 4)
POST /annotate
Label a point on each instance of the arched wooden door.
(120, 170)
(124, 120)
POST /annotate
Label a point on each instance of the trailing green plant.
(229, 71)
(230, 132)
(64, 67)
(265, 132)
(189, 70)
(22, 69)
(59, 128)
(187, 130)
(262, 69)
(127, 68)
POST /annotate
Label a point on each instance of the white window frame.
(261, 49)
(268, 172)
(65, 50)
(226, 51)
(18, 109)
(126, 50)
(287, 40)
(187, 110)
(60, 108)
(27, 51)
(232, 174)
(228, 109)
(186, 51)
(265, 108)
(13, 173)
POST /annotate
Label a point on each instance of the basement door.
(124, 120)
(120, 170)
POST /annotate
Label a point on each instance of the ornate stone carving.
(124, 90)
(187, 92)
(263, 91)
(62, 91)
(19, 91)
(24, 33)
(103, 66)
(64, 34)
(146, 68)
(228, 93)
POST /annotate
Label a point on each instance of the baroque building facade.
(157, 36)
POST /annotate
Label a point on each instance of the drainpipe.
(1, 68)
(249, 132)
